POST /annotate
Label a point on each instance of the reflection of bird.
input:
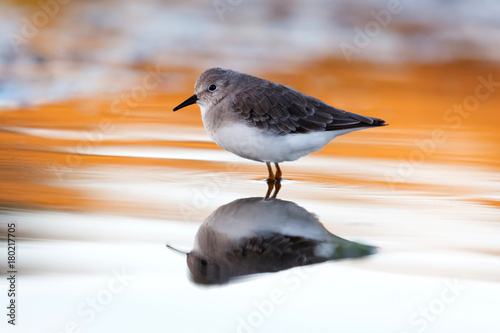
(266, 121)
(252, 235)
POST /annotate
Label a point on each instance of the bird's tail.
(378, 122)
(339, 248)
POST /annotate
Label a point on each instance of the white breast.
(257, 145)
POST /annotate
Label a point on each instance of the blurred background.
(98, 173)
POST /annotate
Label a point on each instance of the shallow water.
(88, 203)
(99, 181)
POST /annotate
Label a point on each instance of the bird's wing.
(273, 252)
(284, 110)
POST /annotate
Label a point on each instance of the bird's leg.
(270, 181)
(277, 187)
(270, 178)
(271, 173)
(278, 173)
(270, 187)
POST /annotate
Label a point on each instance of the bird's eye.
(204, 262)
(212, 87)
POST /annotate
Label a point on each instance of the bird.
(266, 121)
(250, 235)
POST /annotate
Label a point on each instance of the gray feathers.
(284, 110)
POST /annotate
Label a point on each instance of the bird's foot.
(272, 184)
(273, 181)
(277, 187)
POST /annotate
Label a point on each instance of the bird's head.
(205, 270)
(211, 87)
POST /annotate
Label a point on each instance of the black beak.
(189, 101)
(176, 250)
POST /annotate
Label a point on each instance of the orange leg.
(278, 172)
(271, 174)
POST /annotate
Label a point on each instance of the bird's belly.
(257, 145)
